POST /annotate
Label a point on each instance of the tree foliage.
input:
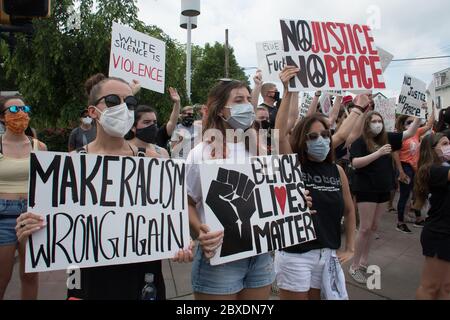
(50, 68)
(210, 67)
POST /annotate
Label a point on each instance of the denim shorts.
(300, 272)
(231, 277)
(10, 210)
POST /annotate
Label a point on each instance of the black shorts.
(372, 197)
(435, 245)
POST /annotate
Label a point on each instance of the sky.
(407, 29)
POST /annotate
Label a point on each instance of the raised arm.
(315, 102)
(257, 79)
(293, 112)
(431, 119)
(172, 123)
(355, 117)
(412, 129)
(283, 112)
(334, 114)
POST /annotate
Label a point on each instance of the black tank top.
(119, 282)
(324, 184)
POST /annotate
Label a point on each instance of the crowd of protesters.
(358, 162)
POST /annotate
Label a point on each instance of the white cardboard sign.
(412, 98)
(137, 56)
(105, 210)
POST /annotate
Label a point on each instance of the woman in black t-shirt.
(300, 268)
(433, 178)
(373, 181)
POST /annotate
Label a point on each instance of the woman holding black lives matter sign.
(112, 105)
(373, 181)
(229, 111)
(302, 270)
(15, 149)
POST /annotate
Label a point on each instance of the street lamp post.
(190, 9)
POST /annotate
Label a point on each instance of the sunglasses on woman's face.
(407, 123)
(315, 135)
(112, 100)
(15, 109)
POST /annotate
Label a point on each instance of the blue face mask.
(318, 149)
(242, 116)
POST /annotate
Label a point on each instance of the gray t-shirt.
(79, 138)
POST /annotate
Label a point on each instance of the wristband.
(359, 108)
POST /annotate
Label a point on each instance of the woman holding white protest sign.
(15, 149)
(111, 104)
(433, 184)
(406, 164)
(230, 112)
(373, 181)
(302, 270)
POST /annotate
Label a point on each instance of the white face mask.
(242, 116)
(376, 128)
(86, 120)
(117, 120)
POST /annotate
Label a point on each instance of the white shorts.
(300, 272)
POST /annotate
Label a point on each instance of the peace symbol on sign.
(316, 71)
(304, 35)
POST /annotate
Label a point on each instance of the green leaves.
(50, 69)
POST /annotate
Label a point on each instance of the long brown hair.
(400, 123)
(298, 138)
(217, 101)
(428, 157)
(373, 143)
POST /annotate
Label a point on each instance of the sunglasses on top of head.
(112, 100)
(315, 135)
(15, 109)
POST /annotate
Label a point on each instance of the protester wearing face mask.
(229, 111)
(184, 137)
(406, 164)
(84, 133)
(271, 97)
(15, 149)
(373, 181)
(111, 105)
(300, 269)
(144, 131)
(433, 183)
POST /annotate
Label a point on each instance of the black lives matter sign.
(331, 56)
(259, 205)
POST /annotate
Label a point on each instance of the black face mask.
(276, 96)
(188, 121)
(265, 124)
(147, 134)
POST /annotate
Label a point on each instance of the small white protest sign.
(386, 107)
(413, 97)
(270, 59)
(137, 56)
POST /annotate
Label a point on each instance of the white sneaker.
(357, 275)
